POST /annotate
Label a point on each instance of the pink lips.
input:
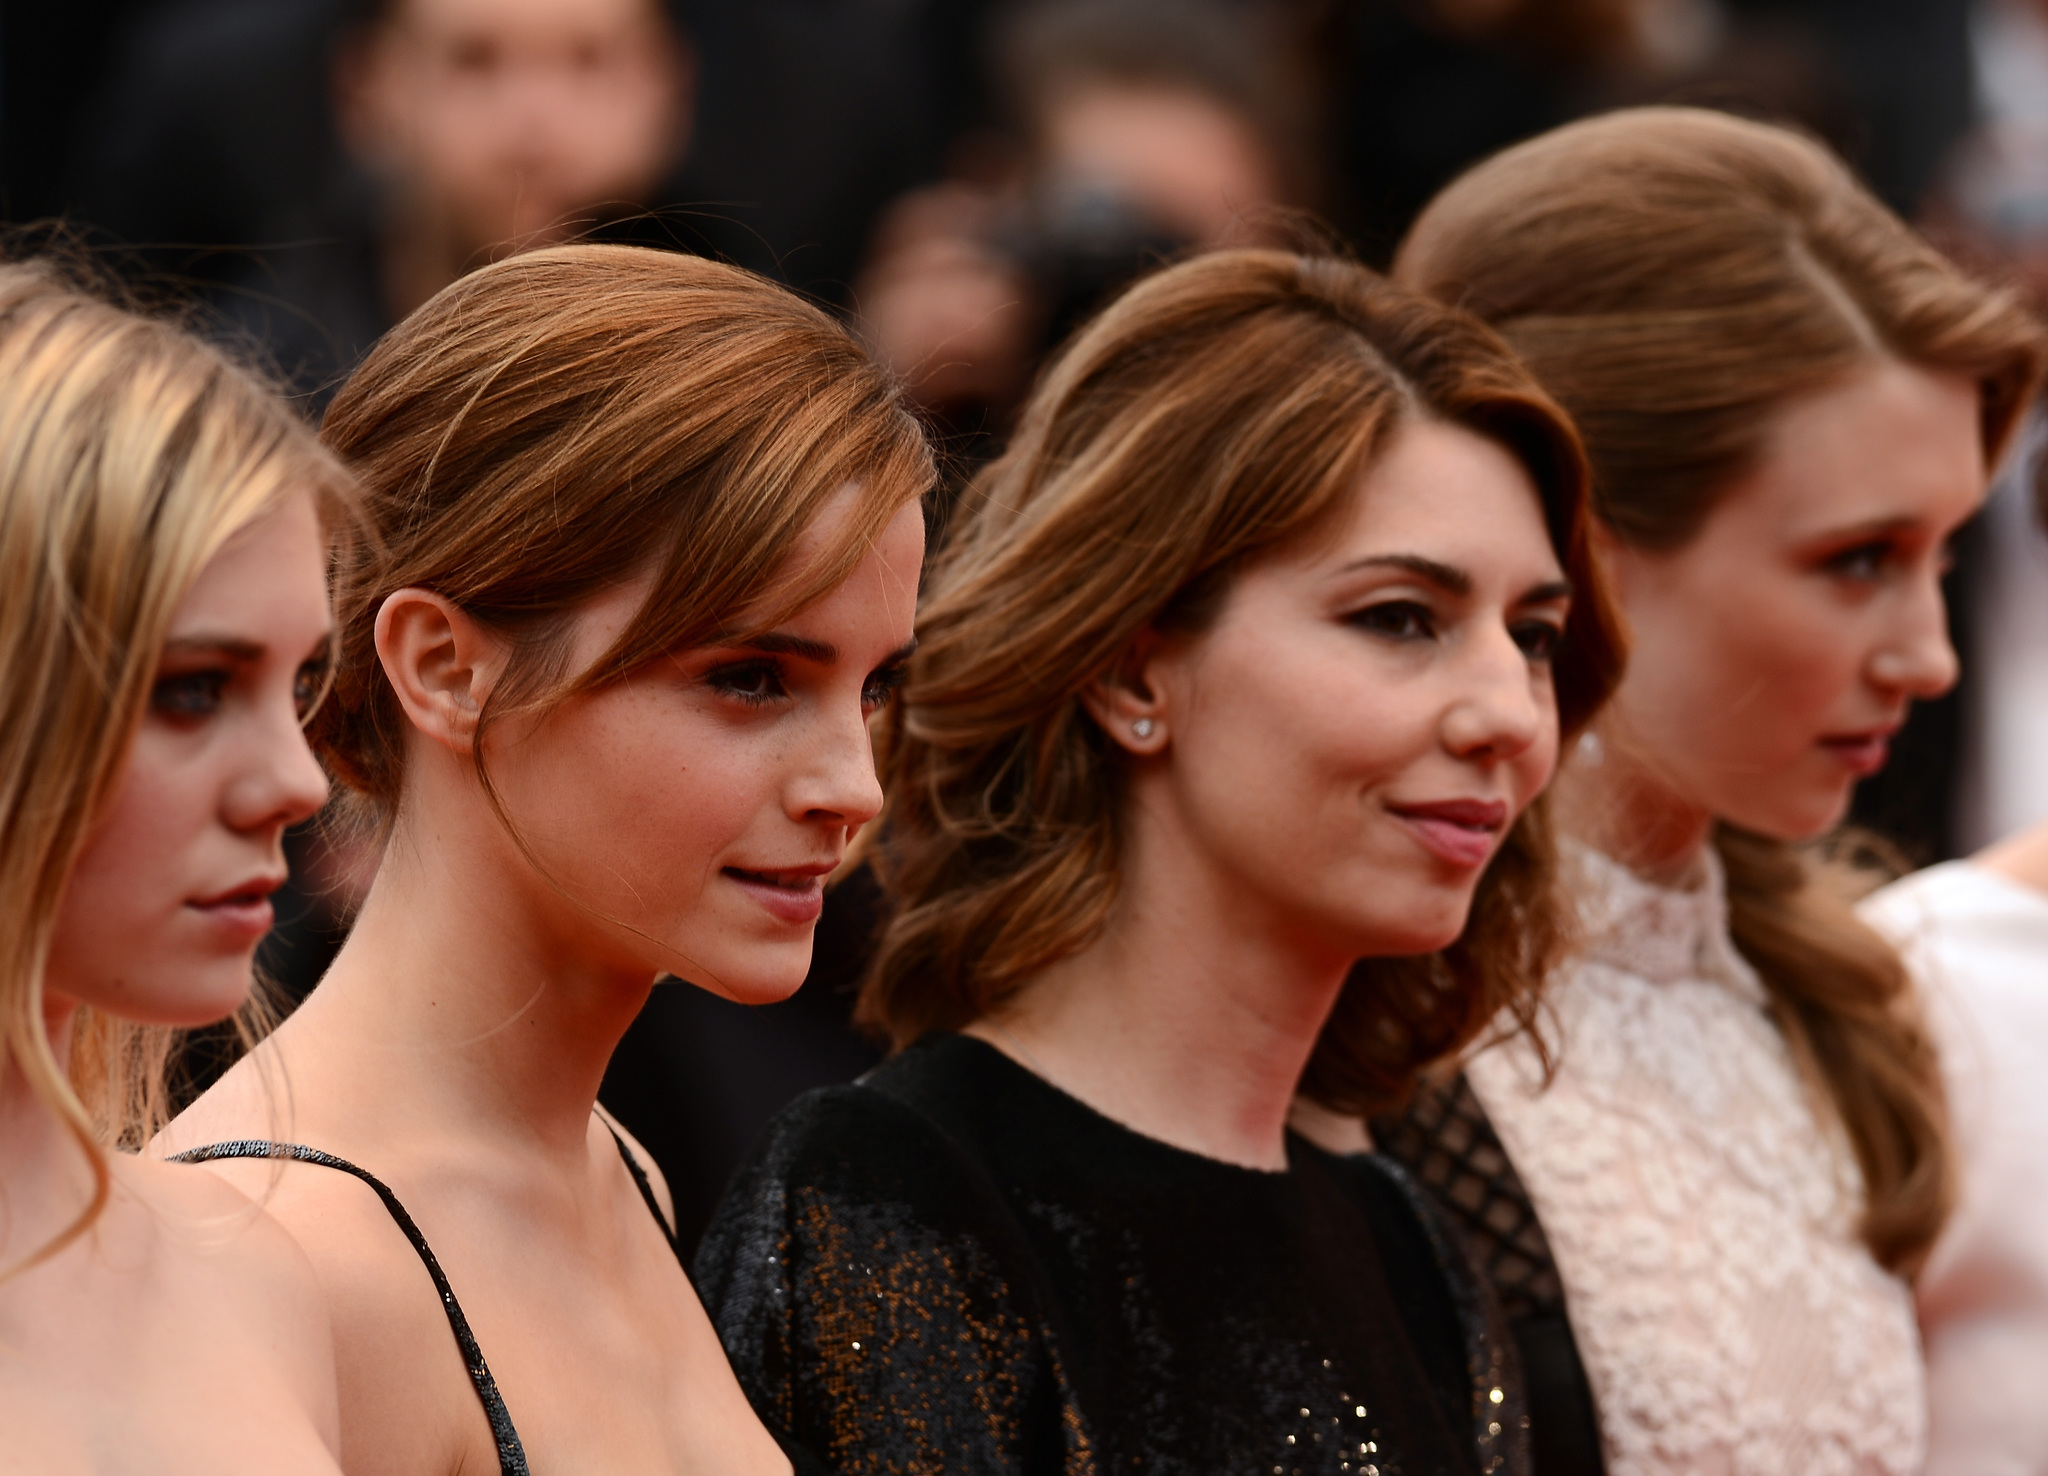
(244, 912)
(1462, 832)
(1863, 753)
(795, 894)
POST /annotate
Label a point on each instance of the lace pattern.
(1701, 1212)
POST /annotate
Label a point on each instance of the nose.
(278, 782)
(837, 784)
(1915, 657)
(1498, 710)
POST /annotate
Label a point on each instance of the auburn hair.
(1217, 412)
(1676, 277)
(130, 453)
(568, 418)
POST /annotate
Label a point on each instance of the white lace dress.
(1702, 1218)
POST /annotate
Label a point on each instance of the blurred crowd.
(966, 179)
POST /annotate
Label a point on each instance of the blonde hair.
(1676, 277)
(556, 422)
(130, 452)
(1213, 415)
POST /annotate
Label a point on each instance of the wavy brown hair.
(569, 418)
(1213, 415)
(1677, 277)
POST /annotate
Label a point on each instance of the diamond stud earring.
(1142, 728)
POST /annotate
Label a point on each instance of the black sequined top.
(955, 1267)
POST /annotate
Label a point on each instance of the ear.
(1128, 702)
(441, 663)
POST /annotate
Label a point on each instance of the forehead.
(1448, 493)
(1892, 442)
(267, 580)
(523, 17)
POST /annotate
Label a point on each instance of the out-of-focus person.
(1976, 934)
(1131, 130)
(1976, 930)
(474, 128)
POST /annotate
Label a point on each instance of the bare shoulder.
(646, 1162)
(213, 1230)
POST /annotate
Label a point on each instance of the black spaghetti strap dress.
(511, 1454)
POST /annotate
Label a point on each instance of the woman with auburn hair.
(1247, 665)
(164, 631)
(1731, 1131)
(649, 534)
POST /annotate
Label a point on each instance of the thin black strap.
(647, 1193)
(511, 1454)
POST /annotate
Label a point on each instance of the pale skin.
(185, 1333)
(1776, 652)
(1322, 776)
(681, 820)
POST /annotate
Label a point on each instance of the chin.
(764, 976)
(1429, 927)
(205, 995)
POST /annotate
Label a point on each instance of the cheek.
(1755, 666)
(633, 786)
(128, 889)
(1280, 729)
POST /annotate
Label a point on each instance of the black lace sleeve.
(877, 1303)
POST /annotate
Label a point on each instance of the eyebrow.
(235, 648)
(1444, 576)
(1854, 532)
(824, 653)
(1454, 580)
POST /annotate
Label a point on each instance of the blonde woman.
(1741, 1157)
(648, 547)
(164, 631)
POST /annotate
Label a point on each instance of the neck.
(469, 993)
(1189, 1020)
(1623, 806)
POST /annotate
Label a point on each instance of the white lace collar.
(1666, 935)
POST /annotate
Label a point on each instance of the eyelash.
(1406, 620)
(189, 696)
(1865, 562)
(765, 680)
(194, 696)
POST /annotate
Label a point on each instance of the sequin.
(1034, 1289)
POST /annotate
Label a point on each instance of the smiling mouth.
(795, 895)
(1462, 832)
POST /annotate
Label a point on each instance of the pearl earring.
(1142, 728)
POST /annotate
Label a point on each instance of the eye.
(756, 683)
(1398, 620)
(189, 696)
(881, 686)
(1539, 639)
(1866, 562)
(309, 685)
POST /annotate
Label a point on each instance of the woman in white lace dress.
(1739, 1158)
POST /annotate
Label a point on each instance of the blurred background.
(965, 180)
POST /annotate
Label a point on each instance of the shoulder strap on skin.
(511, 1454)
(640, 1181)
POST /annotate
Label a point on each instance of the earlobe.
(1127, 702)
(440, 663)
